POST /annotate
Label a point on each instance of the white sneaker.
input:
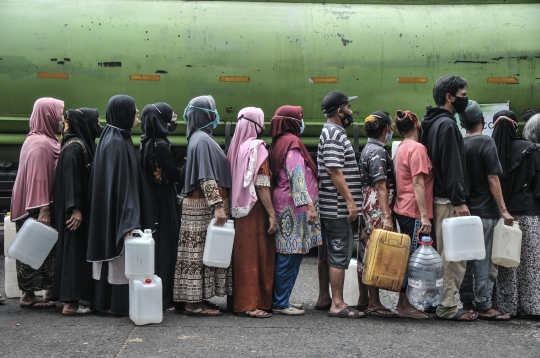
(290, 311)
(297, 306)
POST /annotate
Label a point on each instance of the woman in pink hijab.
(32, 193)
(255, 219)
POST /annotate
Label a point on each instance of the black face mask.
(259, 134)
(172, 126)
(460, 104)
(347, 120)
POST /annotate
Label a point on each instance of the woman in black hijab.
(161, 173)
(516, 289)
(119, 203)
(207, 185)
(72, 273)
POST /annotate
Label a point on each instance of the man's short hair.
(528, 113)
(447, 84)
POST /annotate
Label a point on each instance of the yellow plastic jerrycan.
(386, 259)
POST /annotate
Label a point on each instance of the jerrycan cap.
(425, 240)
(148, 231)
(148, 281)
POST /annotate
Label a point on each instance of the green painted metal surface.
(279, 45)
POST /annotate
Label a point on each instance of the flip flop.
(33, 305)
(458, 316)
(494, 317)
(323, 308)
(81, 310)
(376, 313)
(410, 314)
(256, 315)
(199, 312)
(344, 313)
(210, 305)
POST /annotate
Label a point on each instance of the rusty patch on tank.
(344, 40)
(482, 62)
(161, 71)
(110, 64)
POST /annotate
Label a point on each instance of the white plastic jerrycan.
(146, 301)
(140, 255)
(350, 285)
(463, 238)
(10, 283)
(33, 243)
(9, 232)
(506, 244)
(219, 244)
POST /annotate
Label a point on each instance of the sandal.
(411, 314)
(34, 305)
(2, 300)
(344, 313)
(210, 305)
(257, 313)
(493, 317)
(199, 312)
(376, 312)
(323, 308)
(458, 316)
(81, 310)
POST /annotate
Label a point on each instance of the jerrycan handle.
(135, 231)
(421, 242)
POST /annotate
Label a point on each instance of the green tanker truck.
(261, 53)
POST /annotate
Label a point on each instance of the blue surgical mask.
(388, 137)
(214, 123)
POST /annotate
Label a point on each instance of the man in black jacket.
(445, 148)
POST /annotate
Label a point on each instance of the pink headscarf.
(37, 163)
(246, 155)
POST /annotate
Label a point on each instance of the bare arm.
(495, 188)
(44, 215)
(420, 195)
(339, 182)
(382, 194)
(263, 193)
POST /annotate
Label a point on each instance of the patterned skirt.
(371, 218)
(518, 289)
(42, 278)
(194, 281)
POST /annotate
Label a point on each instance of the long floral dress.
(296, 186)
(193, 280)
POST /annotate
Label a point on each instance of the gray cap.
(473, 113)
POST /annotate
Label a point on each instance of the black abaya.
(72, 273)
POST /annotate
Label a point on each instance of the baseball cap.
(333, 100)
(473, 113)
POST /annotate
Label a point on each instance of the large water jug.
(385, 260)
(425, 271)
(219, 244)
(33, 243)
(9, 232)
(506, 244)
(140, 255)
(146, 301)
(350, 285)
(463, 238)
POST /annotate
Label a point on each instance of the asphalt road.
(47, 333)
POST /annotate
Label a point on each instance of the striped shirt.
(335, 151)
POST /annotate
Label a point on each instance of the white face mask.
(388, 137)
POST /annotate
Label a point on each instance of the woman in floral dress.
(295, 201)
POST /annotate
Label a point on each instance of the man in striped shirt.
(339, 201)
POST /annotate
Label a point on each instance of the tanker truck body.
(265, 54)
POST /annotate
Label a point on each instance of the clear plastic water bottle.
(425, 281)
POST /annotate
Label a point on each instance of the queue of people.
(283, 203)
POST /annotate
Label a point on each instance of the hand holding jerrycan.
(463, 238)
(140, 255)
(219, 244)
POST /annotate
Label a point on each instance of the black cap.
(333, 100)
